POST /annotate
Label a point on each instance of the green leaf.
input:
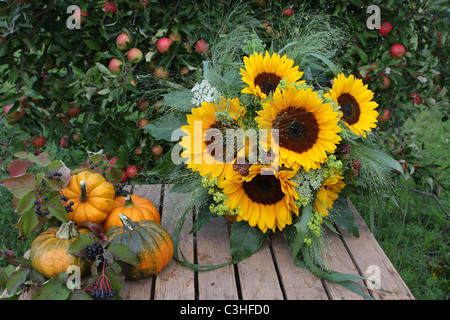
(180, 100)
(123, 253)
(53, 289)
(21, 185)
(16, 280)
(302, 230)
(166, 168)
(28, 221)
(163, 127)
(56, 208)
(343, 216)
(92, 44)
(77, 247)
(245, 240)
(204, 215)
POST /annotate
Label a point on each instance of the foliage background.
(56, 68)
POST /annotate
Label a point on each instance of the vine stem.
(431, 195)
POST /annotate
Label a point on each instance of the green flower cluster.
(219, 207)
(315, 227)
(333, 165)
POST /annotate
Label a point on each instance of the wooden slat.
(298, 283)
(258, 276)
(366, 251)
(176, 282)
(212, 249)
(338, 259)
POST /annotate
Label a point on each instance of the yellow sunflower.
(262, 74)
(205, 124)
(328, 193)
(355, 99)
(265, 198)
(307, 127)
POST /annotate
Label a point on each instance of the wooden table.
(269, 274)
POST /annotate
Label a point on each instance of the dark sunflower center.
(350, 108)
(222, 126)
(298, 129)
(264, 189)
(295, 130)
(268, 82)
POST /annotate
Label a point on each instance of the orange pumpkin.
(148, 240)
(134, 207)
(92, 196)
(48, 251)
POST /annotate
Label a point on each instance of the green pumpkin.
(147, 239)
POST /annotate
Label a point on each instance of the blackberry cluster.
(102, 294)
(56, 175)
(38, 207)
(68, 206)
(119, 189)
(344, 148)
(356, 165)
(93, 165)
(93, 250)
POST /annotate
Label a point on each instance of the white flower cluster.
(204, 92)
(308, 184)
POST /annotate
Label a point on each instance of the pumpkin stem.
(83, 196)
(128, 202)
(67, 231)
(128, 224)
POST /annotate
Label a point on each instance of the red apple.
(288, 12)
(113, 160)
(132, 171)
(157, 150)
(386, 116)
(123, 41)
(143, 105)
(109, 6)
(417, 98)
(38, 142)
(183, 71)
(142, 122)
(397, 50)
(201, 47)
(384, 82)
(73, 110)
(15, 116)
(385, 28)
(145, 3)
(77, 137)
(163, 45)
(114, 65)
(124, 176)
(134, 55)
(64, 142)
(79, 14)
(161, 73)
(366, 72)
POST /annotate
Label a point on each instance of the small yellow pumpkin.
(92, 197)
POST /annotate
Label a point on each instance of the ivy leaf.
(245, 240)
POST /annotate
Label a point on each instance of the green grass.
(415, 233)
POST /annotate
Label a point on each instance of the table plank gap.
(176, 282)
(258, 276)
(213, 249)
(298, 283)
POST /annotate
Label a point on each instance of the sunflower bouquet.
(277, 156)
